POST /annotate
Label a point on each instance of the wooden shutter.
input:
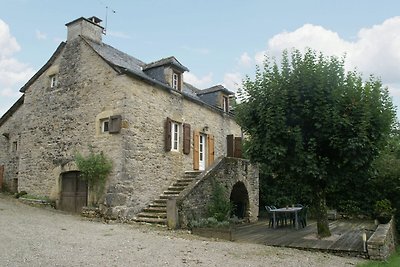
(168, 134)
(210, 149)
(196, 141)
(186, 138)
(230, 145)
(115, 124)
(238, 147)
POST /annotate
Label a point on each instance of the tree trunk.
(321, 214)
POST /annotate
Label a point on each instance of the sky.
(219, 41)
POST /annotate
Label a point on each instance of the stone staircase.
(156, 212)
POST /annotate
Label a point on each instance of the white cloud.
(233, 81)
(12, 72)
(374, 51)
(40, 35)
(245, 60)
(201, 83)
(8, 44)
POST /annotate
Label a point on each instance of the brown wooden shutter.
(168, 134)
(238, 147)
(210, 149)
(115, 124)
(196, 141)
(186, 138)
(230, 145)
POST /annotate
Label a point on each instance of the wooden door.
(74, 192)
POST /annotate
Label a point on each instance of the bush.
(220, 207)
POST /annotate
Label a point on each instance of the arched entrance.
(74, 192)
(240, 200)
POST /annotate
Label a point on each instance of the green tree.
(94, 169)
(308, 120)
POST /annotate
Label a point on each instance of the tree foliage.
(308, 120)
(94, 169)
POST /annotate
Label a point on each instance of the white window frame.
(53, 81)
(175, 80)
(225, 103)
(105, 125)
(175, 136)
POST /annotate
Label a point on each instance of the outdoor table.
(294, 210)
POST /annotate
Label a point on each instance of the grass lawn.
(393, 261)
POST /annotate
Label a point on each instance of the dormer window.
(225, 103)
(53, 80)
(176, 81)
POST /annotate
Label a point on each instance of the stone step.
(160, 201)
(150, 220)
(176, 188)
(180, 184)
(192, 174)
(156, 209)
(158, 204)
(171, 192)
(158, 215)
(184, 180)
(168, 196)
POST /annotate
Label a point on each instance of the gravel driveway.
(31, 236)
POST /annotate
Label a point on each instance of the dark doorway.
(240, 200)
(74, 192)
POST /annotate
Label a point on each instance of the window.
(174, 136)
(14, 146)
(104, 125)
(176, 81)
(53, 81)
(225, 103)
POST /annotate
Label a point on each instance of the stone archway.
(240, 200)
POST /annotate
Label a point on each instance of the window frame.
(176, 80)
(175, 136)
(225, 103)
(105, 125)
(53, 80)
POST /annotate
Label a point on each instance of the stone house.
(162, 134)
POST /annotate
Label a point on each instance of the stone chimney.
(88, 28)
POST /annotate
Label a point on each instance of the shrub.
(220, 207)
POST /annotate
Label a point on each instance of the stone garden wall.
(193, 201)
(382, 243)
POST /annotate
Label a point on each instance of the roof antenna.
(105, 28)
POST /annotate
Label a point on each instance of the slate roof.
(215, 88)
(128, 64)
(166, 61)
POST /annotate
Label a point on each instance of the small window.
(176, 81)
(105, 125)
(174, 136)
(225, 103)
(15, 146)
(53, 81)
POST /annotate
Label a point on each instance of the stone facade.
(41, 135)
(230, 173)
(382, 243)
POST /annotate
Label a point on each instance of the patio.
(346, 236)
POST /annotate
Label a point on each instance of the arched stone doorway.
(240, 200)
(74, 192)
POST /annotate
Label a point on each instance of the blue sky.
(220, 41)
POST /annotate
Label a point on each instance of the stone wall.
(55, 123)
(382, 243)
(193, 201)
(10, 141)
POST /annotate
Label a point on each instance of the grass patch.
(393, 261)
